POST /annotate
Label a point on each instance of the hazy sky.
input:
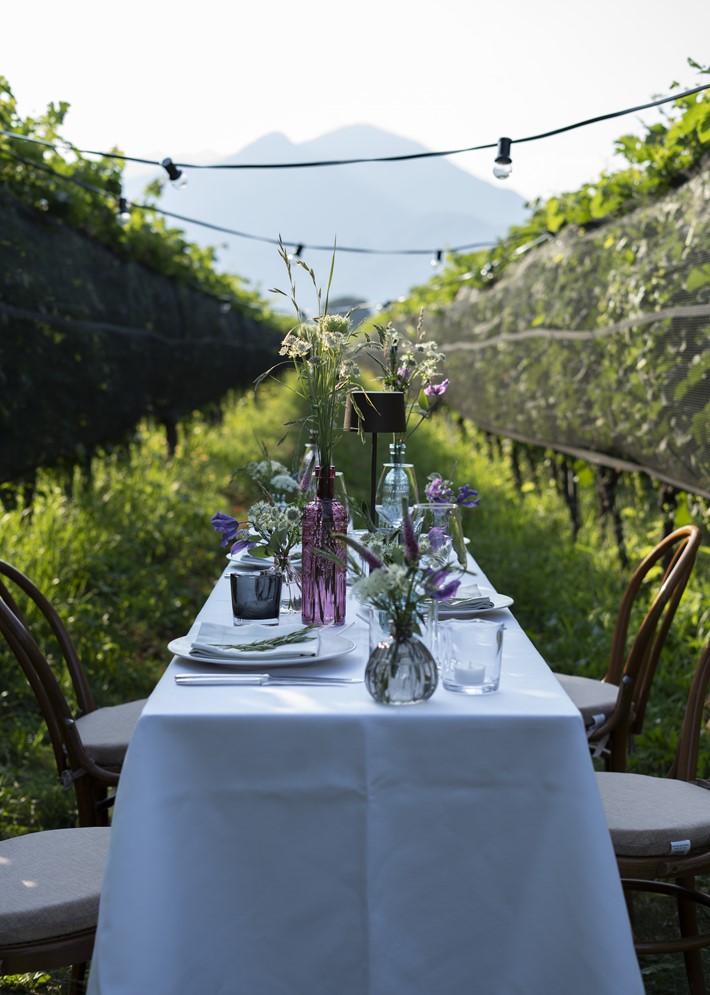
(205, 79)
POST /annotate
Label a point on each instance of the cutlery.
(263, 679)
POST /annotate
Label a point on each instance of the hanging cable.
(362, 159)
(298, 246)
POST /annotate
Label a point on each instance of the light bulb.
(176, 176)
(436, 260)
(503, 165)
(124, 215)
(502, 170)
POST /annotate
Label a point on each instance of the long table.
(305, 840)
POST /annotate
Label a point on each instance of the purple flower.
(436, 585)
(228, 526)
(404, 373)
(438, 492)
(467, 497)
(243, 541)
(437, 389)
(438, 538)
(409, 539)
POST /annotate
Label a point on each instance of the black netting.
(597, 343)
(91, 343)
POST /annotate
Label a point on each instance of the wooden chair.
(660, 829)
(50, 883)
(89, 743)
(614, 708)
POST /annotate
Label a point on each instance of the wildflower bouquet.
(404, 587)
(409, 365)
(321, 353)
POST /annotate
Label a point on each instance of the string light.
(436, 259)
(124, 215)
(503, 166)
(175, 175)
(361, 159)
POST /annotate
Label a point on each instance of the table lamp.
(374, 412)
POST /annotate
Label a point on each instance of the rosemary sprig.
(297, 636)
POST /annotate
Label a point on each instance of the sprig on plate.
(297, 636)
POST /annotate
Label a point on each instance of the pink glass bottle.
(323, 581)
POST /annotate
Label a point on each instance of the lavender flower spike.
(228, 526)
(409, 539)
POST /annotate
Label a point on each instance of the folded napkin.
(470, 600)
(255, 641)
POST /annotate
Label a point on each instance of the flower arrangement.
(441, 491)
(321, 353)
(272, 530)
(403, 587)
(409, 365)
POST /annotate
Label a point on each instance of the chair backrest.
(685, 764)
(12, 580)
(75, 768)
(633, 667)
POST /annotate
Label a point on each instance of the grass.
(129, 556)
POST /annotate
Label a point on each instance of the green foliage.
(661, 158)
(27, 170)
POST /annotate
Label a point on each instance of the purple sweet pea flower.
(467, 497)
(437, 389)
(228, 526)
(438, 493)
(404, 373)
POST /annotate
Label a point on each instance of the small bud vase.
(401, 671)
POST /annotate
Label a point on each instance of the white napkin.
(224, 641)
(470, 600)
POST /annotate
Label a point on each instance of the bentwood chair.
(613, 709)
(50, 883)
(89, 743)
(660, 830)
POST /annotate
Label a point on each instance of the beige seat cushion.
(646, 815)
(106, 732)
(591, 697)
(50, 883)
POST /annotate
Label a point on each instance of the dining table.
(287, 839)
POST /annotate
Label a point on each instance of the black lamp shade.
(375, 411)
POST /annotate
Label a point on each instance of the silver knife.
(263, 679)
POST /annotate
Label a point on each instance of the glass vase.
(291, 597)
(401, 671)
(323, 580)
(398, 480)
(448, 539)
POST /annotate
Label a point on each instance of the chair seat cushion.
(50, 883)
(591, 697)
(647, 815)
(106, 732)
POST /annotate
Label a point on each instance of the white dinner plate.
(331, 645)
(499, 601)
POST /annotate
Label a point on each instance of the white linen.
(307, 841)
(238, 642)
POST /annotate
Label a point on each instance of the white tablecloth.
(307, 841)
